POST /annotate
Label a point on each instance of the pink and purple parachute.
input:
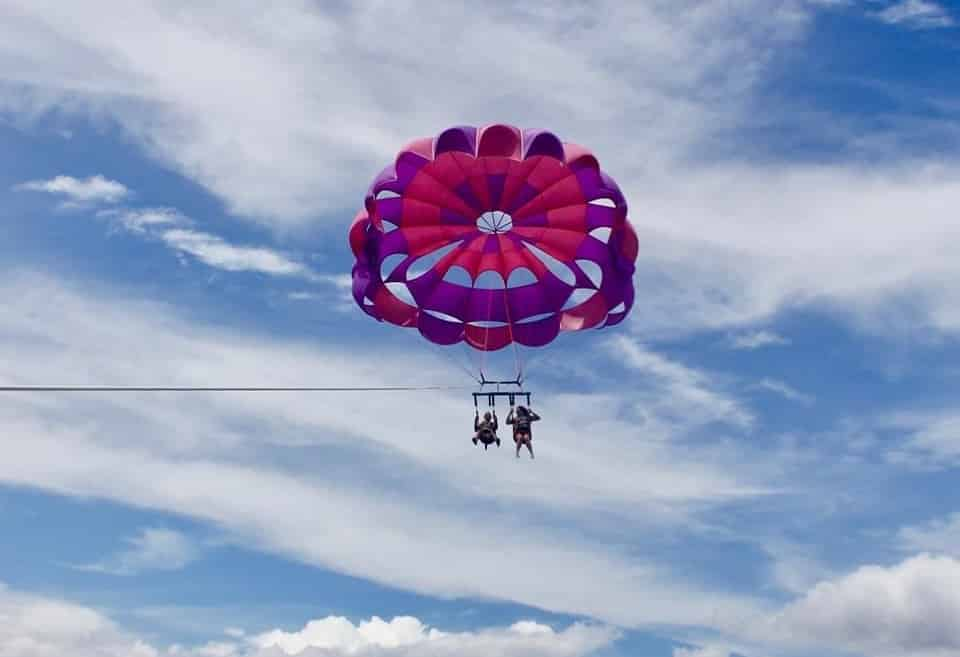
(493, 236)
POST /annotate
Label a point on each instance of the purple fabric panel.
(593, 249)
(450, 217)
(361, 280)
(392, 242)
(465, 192)
(408, 164)
(387, 174)
(492, 245)
(390, 209)
(528, 301)
(539, 142)
(526, 194)
(391, 184)
(459, 138)
(495, 184)
(423, 286)
(439, 331)
(611, 184)
(485, 306)
(532, 221)
(536, 334)
(442, 296)
(555, 293)
(599, 216)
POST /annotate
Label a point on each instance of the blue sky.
(759, 462)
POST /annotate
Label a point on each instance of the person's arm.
(534, 417)
(496, 425)
(510, 416)
(476, 422)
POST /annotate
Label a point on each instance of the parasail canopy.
(492, 236)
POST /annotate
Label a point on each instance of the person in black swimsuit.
(522, 432)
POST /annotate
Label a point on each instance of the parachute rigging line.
(54, 388)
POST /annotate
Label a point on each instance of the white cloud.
(681, 394)
(923, 439)
(940, 536)
(153, 549)
(917, 14)
(882, 273)
(907, 609)
(784, 390)
(35, 626)
(757, 340)
(145, 220)
(301, 146)
(214, 251)
(794, 568)
(289, 113)
(95, 189)
(409, 636)
(43, 627)
(223, 459)
(703, 651)
(176, 231)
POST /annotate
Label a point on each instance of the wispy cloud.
(757, 339)
(683, 393)
(916, 14)
(229, 461)
(275, 161)
(145, 220)
(177, 231)
(77, 191)
(216, 252)
(702, 651)
(941, 536)
(153, 549)
(784, 390)
(928, 439)
(341, 284)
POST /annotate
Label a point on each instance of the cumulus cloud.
(153, 549)
(408, 636)
(37, 626)
(79, 191)
(916, 14)
(907, 609)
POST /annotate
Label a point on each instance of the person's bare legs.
(524, 440)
